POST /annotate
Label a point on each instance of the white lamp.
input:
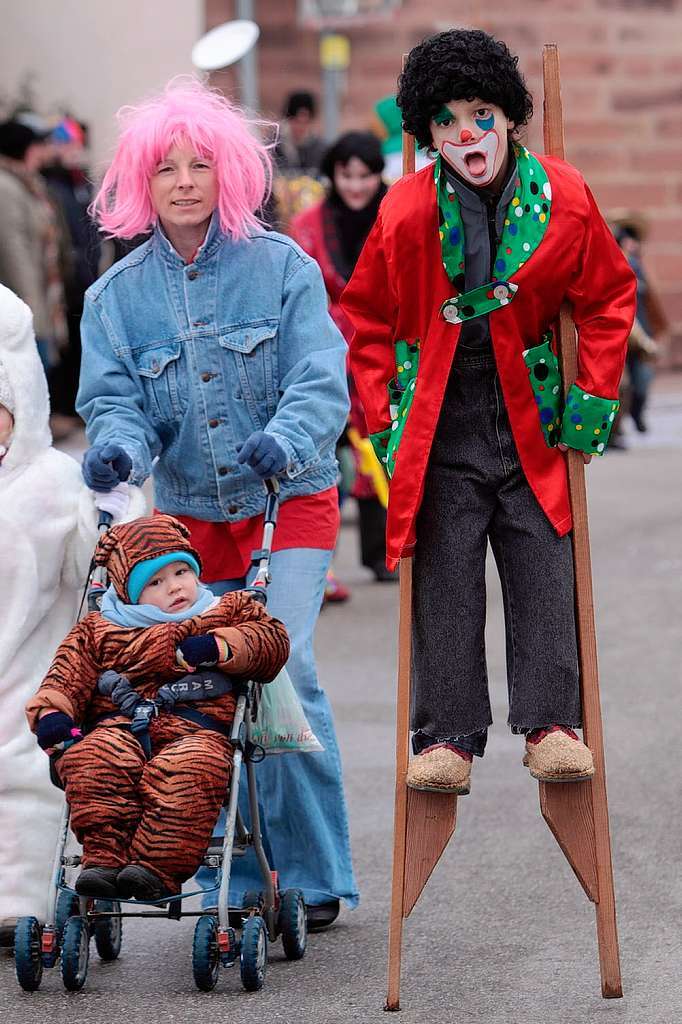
(225, 45)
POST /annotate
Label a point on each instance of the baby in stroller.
(144, 811)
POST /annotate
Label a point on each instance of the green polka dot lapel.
(524, 228)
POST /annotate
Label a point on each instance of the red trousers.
(158, 813)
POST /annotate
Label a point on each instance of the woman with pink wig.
(210, 362)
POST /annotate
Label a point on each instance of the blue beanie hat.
(143, 571)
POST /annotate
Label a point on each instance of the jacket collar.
(210, 245)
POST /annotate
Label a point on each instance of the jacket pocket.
(545, 380)
(250, 362)
(158, 367)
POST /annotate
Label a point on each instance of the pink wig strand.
(186, 112)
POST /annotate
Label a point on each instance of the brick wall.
(621, 80)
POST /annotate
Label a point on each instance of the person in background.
(333, 232)
(31, 244)
(70, 190)
(299, 149)
(387, 122)
(650, 323)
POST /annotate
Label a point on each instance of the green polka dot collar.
(524, 228)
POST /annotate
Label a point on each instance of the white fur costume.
(47, 534)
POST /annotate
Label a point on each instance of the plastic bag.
(281, 726)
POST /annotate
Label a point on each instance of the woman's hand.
(587, 458)
(263, 454)
(105, 466)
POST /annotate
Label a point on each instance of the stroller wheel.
(108, 931)
(28, 959)
(291, 923)
(205, 954)
(254, 955)
(75, 953)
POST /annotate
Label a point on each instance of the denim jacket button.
(233, 509)
(206, 377)
(193, 275)
(213, 423)
(223, 471)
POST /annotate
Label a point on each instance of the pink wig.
(186, 112)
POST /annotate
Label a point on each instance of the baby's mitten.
(55, 729)
(201, 650)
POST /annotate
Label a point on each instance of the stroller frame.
(71, 918)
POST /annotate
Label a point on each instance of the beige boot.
(558, 757)
(439, 769)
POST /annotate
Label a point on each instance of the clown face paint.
(472, 136)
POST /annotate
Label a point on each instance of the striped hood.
(122, 547)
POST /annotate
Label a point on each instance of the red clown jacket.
(397, 291)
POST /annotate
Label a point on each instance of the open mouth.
(180, 600)
(476, 163)
(185, 202)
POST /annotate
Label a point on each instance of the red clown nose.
(465, 135)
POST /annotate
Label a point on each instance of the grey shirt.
(480, 209)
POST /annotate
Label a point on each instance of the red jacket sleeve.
(603, 296)
(369, 302)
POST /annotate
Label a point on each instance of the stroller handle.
(271, 502)
(261, 558)
(105, 520)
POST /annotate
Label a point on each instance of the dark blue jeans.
(476, 492)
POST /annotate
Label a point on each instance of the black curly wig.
(461, 64)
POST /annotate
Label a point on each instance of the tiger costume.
(158, 813)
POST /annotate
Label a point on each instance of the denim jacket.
(182, 362)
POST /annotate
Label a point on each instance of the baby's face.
(6, 425)
(172, 589)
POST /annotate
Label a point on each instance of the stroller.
(72, 920)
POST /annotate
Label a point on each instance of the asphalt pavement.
(503, 933)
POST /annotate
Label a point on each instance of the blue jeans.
(303, 808)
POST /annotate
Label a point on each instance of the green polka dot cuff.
(587, 421)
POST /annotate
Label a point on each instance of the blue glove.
(199, 650)
(105, 466)
(56, 728)
(263, 454)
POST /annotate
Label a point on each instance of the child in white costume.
(48, 529)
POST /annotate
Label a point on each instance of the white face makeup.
(472, 136)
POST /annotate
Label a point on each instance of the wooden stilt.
(577, 813)
(402, 731)
(423, 822)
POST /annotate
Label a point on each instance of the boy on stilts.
(453, 300)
